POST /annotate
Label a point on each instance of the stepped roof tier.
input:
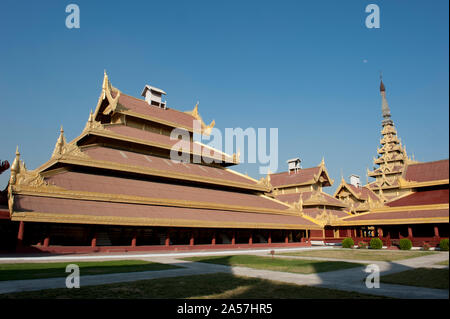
(119, 172)
(302, 189)
(426, 201)
(304, 176)
(357, 198)
(392, 157)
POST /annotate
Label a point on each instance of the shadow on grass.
(25, 271)
(214, 286)
(277, 264)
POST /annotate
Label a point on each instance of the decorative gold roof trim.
(395, 209)
(103, 132)
(149, 171)
(411, 184)
(399, 221)
(106, 94)
(309, 182)
(206, 129)
(129, 199)
(141, 221)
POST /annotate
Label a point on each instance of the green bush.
(405, 244)
(443, 245)
(348, 243)
(426, 246)
(376, 243)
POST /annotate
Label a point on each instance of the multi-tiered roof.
(119, 171)
(392, 157)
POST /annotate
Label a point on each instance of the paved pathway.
(348, 279)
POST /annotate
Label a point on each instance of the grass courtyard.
(22, 271)
(361, 254)
(420, 277)
(276, 264)
(211, 286)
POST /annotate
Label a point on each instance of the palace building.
(115, 185)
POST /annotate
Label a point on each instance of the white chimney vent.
(154, 96)
(294, 165)
(355, 180)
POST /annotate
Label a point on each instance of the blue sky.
(295, 65)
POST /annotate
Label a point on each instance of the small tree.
(443, 245)
(348, 243)
(376, 243)
(405, 244)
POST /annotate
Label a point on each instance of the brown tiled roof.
(77, 181)
(363, 192)
(151, 137)
(143, 108)
(436, 196)
(324, 199)
(300, 177)
(69, 210)
(374, 185)
(425, 172)
(153, 162)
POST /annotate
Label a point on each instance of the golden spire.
(60, 143)
(15, 167)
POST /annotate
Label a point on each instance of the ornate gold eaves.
(326, 218)
(92, 124)
(206, 129)
(113, 103)
(64, 149)
(265, 181)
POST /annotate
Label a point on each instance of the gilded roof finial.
(60, 143)
(15, 167)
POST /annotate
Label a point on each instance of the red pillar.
(46, 241)
(133, 241)
(286, 238)
(94, 241)
(349, 232)
(191, 241)
(167, 242)
(436, 231)
(250, 239)
(213, 241)
(233, 239)
(269, 240)
(410, 233)
(20, 233)
(380, 232)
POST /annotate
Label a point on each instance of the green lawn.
(212, 286)
(277, 264)
(361, 254)
(48, 270)
(421, 277)
(445, 263)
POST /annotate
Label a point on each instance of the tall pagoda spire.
(392, 155)
(384, 105)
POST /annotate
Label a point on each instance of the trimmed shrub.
(376, 243)
(362, 245)
(348, 243)
(443, 245)
(405, 244)
(426, 246)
